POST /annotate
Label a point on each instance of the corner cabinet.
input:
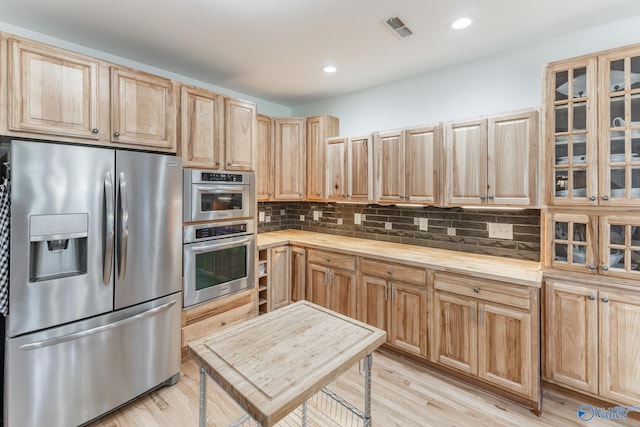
(289, 159)
(407, 166)
(54, 92)
(143, 110)
(349, 173)
(593, 118)
(493, 161)
(319, 128)
(489, 330)
(593, 343)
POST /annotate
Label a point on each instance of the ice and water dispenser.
(58, 246)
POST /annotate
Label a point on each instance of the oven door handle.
(218, 246)
(220, 189)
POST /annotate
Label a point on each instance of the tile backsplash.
(464, 230)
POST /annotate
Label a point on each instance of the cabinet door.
(298, 273)
(240, 135)
(360, 163)
(512, 159)
(571, 315)
(342, 288)
(620, 246)
(619, 155)
(455, 332)
(409, 318)
(264, 167)
(318, 130)
(620, 346)
(279, 277)
(318, 285)
(143, 110)
(573, 240)
(201, 129)
(375, 307)
(52, 91)
(290, 162)
(466, 163)
(505, 342)
(571, 163)
(389, 170)
(337, 169)
(422, 157)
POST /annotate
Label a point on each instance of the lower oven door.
(222, 201)
(218, 267)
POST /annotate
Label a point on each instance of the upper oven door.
(218, 267)
(219, 201)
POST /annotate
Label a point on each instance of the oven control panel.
(221, 177)
(217, 230)
(222, 230)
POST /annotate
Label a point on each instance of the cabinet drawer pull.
(605, 197)
(605, 299)
(592, 267)
(328, 259)
(490, 197)
(116, 134)
(605, 268)
(591, 297)
(389, 272)
(482, 197)
(223, 323)
(218, 164)
(476, 290)
(94, 130)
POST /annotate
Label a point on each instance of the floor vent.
(398, 27)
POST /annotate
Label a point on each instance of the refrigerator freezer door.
(58, 229)
(67, 376)
(148, 256)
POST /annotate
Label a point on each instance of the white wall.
(505, 82)
(264, 106)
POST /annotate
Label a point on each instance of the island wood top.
(526, 273)
(272, 363)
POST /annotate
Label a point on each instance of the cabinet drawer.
(215, 323)
(331, 259)
(401, 273)
(511, 295)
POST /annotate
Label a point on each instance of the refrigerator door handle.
(123, 227)
(96, 330)
(108, 229)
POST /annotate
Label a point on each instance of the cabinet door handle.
(482, 197)
(393, 292)
(592, 267)
(490, 197)
(476, 290)
(229, 164)
(223, 323)
(480, 316)
(591, 297)
(472, 313)
(593, 198)
(386, 291)
(116, 134)
(94, 130)
(605, 268)
(389, 272)
(218, 164)
(605, 299)
(331, 272)
(326, 276)
(605, 197)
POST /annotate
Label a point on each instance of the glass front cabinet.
(597, 244)
(593, 123)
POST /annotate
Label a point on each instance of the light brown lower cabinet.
(279, 277)
(331, 281)
(298, 273)
(487, 329)
(593, 340)
(395, 300)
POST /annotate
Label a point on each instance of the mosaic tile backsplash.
(402, 225)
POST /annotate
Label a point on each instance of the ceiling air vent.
(398, 27)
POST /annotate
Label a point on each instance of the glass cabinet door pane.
(562, 118)
(579, 183)
(580, 116)
(562, 85)
(616, 234)
(616, 75)
(562, 230)
(616, 112)
(635, 111)
(562, 183)
(580, 232)
(635, 72)
(560, 252)
(580, 83)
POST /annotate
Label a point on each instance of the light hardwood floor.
(404, 395)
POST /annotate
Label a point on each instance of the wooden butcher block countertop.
(272, 363)
(525, 273)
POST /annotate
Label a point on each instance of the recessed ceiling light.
(329, 69)
(461, 23)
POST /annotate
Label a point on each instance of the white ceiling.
(275, 49)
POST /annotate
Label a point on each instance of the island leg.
(368, 361)
(203, 398)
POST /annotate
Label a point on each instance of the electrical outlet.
(500, 231)
(317, 215)
(363, 217)
(451, 231)
(424, 224)
(301, 217)
(388, 226)
(267, 218)
(339, 221)
(260, 216)
(357, 219)
(416, 221)
(283, 212)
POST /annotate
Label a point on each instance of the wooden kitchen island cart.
(276, 366)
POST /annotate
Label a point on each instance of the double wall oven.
(218, 235)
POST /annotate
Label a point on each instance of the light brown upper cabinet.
(201, 127)
(55, 92)
(349, 169)
(240, 135)
(492, 161)
(319, 128)
(264, 167)
(407, 166)
(593, 130)
(143, 110)
(289, 159)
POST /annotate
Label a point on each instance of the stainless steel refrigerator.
(95, 280)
